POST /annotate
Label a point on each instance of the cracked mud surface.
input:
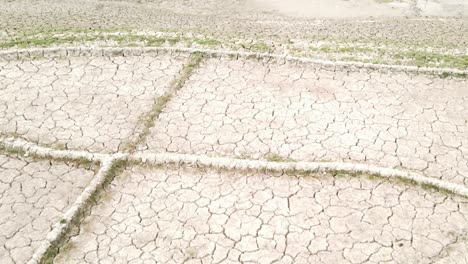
(241, 109)
(81, 103)
(414, 39)
(175, 215)
(33, 197)
(245, 109)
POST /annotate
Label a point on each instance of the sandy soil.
(362, 8)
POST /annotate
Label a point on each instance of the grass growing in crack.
(407, 181)
(147, 120)
(434, 188)
(187, 71)
(115, 169)
(352, 174)
(11, 151)
(122, 37)
(276, 158)
(62, 244)
(426, 186)
(80, 162)
(374, 176)
(48, 39)
(301, 173)
(67, 248)
(455, 75)
(397, 53)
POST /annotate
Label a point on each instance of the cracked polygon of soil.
(225, 18)
(231, 25)
(246, 109)
(243, 108)
(92, 104)
(33, 197)
(190, 215)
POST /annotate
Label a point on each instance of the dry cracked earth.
(404, 32)
(240, 108)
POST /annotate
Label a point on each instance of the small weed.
(274, 157)
(155, 42)
(455, 75)
(325, 49)
(63, 221)
(300, 172)
(445, 75)
(345, 49)
(173, 41)
(373, 177)
(343, 174)
(350, 59)
(260, 47)
(191, 252)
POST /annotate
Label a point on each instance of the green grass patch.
(277, 158)
(358, 50)
(274, 157)
(423, 58)
(390, 56)
(455, 75)
(260, 47)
